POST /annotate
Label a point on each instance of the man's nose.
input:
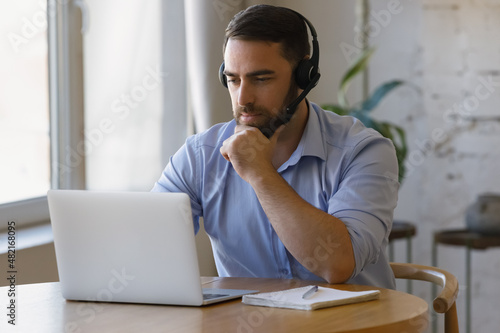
(245, 94)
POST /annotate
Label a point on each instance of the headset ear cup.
(222, 76)
(304, 73)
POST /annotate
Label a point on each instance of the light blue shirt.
(339, 166)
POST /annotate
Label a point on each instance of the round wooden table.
(41, 308)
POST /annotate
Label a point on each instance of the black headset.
(306, 74)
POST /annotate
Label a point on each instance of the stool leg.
(468, 286)
(434, 288)
(409, 283)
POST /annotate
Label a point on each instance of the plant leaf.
(370, 103)
(401, 145)
(336, 108)
(365, 119)
(398, 137)
(385, 129)
(358, 66)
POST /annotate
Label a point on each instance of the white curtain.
(175, 97)
(206, 22)
(151, 69)
(124, 82)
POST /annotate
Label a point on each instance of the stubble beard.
(271, 121)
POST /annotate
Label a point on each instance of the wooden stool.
(402, 229)
(471, 240)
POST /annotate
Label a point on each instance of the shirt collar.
(311, 143)
(312, 138)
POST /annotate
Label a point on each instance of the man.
(315, 200)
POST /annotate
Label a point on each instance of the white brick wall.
(459, 42)
(443, 49)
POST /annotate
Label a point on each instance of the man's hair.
(271, 24)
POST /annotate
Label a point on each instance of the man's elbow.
(339, 273)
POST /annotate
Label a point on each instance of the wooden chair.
(445, 301)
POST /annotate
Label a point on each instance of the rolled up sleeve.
(366, 198)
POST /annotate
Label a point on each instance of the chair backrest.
(445, 301)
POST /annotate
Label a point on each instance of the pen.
(310, 292)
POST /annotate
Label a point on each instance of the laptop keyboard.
(210, 296)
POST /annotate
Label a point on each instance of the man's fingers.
(241, 128)
(223, 149)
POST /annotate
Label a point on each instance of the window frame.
(66, 89)
(27, 211)
(66, 111)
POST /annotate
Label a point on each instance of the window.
(24, 105)
(85, 87)
(24, 112)
(35, 146)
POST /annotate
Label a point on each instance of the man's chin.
(250, 123)
(267, 127)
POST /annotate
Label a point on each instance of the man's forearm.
(318, 240)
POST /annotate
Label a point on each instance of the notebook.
(133, 247)
(321, 298)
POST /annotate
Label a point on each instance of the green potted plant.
(362, 110)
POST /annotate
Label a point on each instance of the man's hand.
(250, 152)
(303, 228)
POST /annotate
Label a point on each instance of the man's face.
(259, 81)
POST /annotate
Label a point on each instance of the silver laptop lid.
(125, 247)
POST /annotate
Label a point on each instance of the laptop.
(129, 247)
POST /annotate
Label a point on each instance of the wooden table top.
(41, 308)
